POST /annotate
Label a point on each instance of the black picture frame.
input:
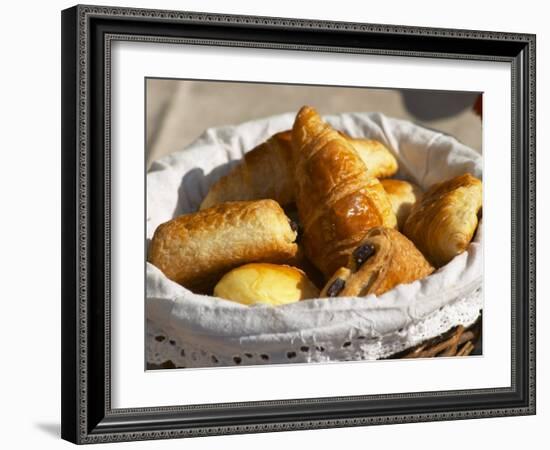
(87, 33)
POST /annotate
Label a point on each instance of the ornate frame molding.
(84, 423)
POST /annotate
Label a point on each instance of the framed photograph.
(281, 224)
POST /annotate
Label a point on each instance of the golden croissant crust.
(337, 200)
(196, 249)
(443, 223)
(382, 260)
(379, 161)
(267, 171)
(403, 195)
(272, 284)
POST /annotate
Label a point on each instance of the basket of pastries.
(306, 238)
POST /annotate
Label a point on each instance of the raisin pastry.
(270, 284)
(403, 195)
(443, 223)
(337, 200)
(196, 249)
(381, 261)
(267, 171)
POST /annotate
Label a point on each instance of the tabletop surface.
(178, 111)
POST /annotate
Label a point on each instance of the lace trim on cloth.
(162, 348)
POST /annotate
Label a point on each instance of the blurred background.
(179, 111)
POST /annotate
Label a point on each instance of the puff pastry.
(337, 200)
(196, 249)
(382, 260)
(443, 223)
(403, 195)
(267, 171)
(379, 160)
(271, 284)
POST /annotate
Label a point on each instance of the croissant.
(337, 200)
(403, 195)
(196, 249)
(379, 160)
(267, 171)
(382, 260)
(443, 223)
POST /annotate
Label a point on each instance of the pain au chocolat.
(382, 260)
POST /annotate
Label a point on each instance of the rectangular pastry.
(196, 249)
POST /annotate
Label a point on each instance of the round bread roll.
(270, 284)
